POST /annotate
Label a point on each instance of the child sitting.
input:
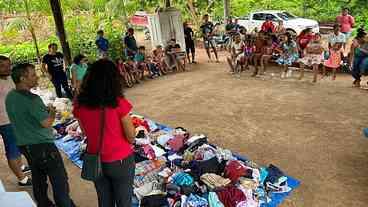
(312, 57)
(129, 82)
(140, 62)
(170, 59)
(158, 59)
(237, 49)
(249, 49)
(153, 69)
(267, 54)
(180, 57)
(336, 52)
(129, 66)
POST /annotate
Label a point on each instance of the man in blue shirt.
(102, 44)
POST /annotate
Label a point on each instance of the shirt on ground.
(346, 22)
(26, 111)
(55, 64)
(115, 145)
(6, 85)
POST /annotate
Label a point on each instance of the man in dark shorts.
(189, 42)
(207, 32)
(32, 123)
(54, 61)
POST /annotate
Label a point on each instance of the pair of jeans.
(46, 162)
(60, 80)
(359, 65)
(115, 187)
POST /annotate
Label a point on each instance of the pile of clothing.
(175, 168)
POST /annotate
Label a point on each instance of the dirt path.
(312, 132)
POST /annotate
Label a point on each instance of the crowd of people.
(273, 43)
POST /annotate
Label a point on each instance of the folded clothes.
(274, 173)
(248, 183)
(182, 178)
(235, 169)
(214, 181)
(148, 189)
(199, 168)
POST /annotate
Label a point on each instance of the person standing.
(336, 36)
(268, 26)
(32, 122)
(207, 31)
(78, 70)
(102, 101)
(102, 44)
(12, 152)
(54, 61)
(347, 23)
(130, 43)
(189, 42)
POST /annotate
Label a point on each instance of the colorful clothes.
(335, 58)
(290, 54)
(311, 59)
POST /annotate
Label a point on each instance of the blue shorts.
(11, 150)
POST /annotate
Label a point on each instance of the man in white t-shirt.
(12, 152)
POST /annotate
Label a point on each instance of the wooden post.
(59, 23)
(167, 4)
(226, 9)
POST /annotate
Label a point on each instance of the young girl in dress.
(289, 54)
(249, 49)
(159, 60)
(236, 54)
(334, 60)
(313, 57)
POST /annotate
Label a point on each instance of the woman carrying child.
(336, 53)
(313, 57)
(236, 54)
(289, 54)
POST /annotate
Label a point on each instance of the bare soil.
(311, 131)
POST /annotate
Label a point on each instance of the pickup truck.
(292, 23)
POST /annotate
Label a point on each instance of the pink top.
(115, 145)
(346, 22)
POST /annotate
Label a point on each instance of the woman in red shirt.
(101, 94)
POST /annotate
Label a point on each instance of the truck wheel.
(292, 32)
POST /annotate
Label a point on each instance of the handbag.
(92, 165)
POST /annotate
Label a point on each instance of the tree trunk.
(226, 9)
(31, 30)
(59, 23)
(167, 4)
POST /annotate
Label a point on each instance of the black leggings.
(116, 186)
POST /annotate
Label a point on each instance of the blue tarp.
(71, 149)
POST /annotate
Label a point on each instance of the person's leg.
(66, 87)
(34, 155)
(57, 85)
(213, 46)
(207, 47)
(334, 73)
(187, 50)
(256, 59)
(324, 71)
(315, 73)
(104, 192)
(230, 62)
(12, 152)
(54, 167)
(121, 174)
(193, 53)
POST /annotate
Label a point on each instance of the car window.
(259, 16)
(273, 17)
(286, 16)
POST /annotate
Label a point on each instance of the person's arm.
(129, 129)
(49, 121)
(74, 78)
(44, 69)
(352, 21)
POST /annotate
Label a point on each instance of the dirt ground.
(311, 131)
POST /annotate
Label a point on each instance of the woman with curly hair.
(103, 114)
